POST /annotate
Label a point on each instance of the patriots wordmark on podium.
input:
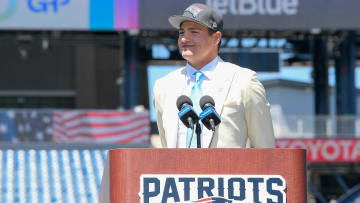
(212, 188)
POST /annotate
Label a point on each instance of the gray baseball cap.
(199, 13)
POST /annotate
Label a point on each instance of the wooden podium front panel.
(127, 165)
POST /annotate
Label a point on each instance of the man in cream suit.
(239, 97)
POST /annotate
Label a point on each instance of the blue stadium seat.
(54, 176)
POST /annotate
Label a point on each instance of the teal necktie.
(196, 94)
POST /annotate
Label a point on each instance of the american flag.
(25, 126)
(7, 126)
(101, 126)
(33, 125)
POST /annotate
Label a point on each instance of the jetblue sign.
(252, 7)
(260, 14)
(212, 188)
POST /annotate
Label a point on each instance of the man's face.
(196, 44)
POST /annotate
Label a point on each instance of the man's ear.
(218, 36)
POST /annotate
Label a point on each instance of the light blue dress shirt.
(208, 71)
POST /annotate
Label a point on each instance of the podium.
(219, 175)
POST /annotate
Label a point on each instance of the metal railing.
(35, 126)
(316, 126)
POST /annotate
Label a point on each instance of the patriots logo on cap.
(194, 10)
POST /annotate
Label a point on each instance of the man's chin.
(187, 56)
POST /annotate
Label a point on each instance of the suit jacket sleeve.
(257, 115)
(158, 101)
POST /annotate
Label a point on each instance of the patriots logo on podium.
(211, 200)
(207, 188)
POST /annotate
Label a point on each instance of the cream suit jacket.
(240, 102)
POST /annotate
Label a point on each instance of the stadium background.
(76, 78)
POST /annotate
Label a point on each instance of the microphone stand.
(192, 135)
(198, 134)
(191, 123)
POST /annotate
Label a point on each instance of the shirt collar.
(207, 70)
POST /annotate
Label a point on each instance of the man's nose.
(184, 37)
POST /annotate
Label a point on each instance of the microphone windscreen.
(206, 100)
(182, 100)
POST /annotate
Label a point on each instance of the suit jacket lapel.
(220, 90)
(171, 119)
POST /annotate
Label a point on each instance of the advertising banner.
(144, 14)
(260, 14)
(325, 150)
(68, 14)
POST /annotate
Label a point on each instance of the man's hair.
(211, 32)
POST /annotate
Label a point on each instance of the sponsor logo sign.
(260, 14)
(160, 188)
(253, 7)
(325, 150)
(69, 14)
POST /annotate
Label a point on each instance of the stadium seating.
(51, 175)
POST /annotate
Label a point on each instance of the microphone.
(186, 113)
(209, 117)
